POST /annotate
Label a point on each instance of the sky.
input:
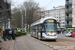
(47, 4)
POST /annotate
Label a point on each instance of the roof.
(42, 20)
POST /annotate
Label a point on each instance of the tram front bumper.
(50, 37)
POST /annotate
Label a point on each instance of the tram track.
(72, 42)
(60, 43)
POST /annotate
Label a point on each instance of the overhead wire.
(48, 3)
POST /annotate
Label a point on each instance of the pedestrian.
(70, 30)
(5, 34)
(1, 32)
(13, 34)
(67, 30)
(10, 34)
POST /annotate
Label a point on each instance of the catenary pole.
(22, 22)
(25, 19)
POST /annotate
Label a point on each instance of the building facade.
(58, 13)
(68, 13)
(73, 13)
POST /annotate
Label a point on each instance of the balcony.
(68, 25)
(69, 18)
(68, 2)
(68, 10)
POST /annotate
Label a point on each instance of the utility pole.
(8, 23)
(22, 22)
(25, 20)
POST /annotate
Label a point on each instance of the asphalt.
(28, 43)
(64, 37)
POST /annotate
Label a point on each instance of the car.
(73, 34)
(68, 34)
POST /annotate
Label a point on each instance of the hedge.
(20, 33)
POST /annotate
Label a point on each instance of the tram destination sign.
(50, 20)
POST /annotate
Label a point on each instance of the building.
(58, 13)
(73, 14)
(68, 13)
(5, 13)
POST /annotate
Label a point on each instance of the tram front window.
(50, 27)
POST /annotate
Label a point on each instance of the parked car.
(73, 34)
(68, 34)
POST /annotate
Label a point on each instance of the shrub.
(20, 33)
(28, 31)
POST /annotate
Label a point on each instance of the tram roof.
(41, 20)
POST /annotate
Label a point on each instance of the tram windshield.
(50, 27)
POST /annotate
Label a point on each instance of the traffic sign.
(59, 27)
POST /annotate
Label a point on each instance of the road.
(29, 43)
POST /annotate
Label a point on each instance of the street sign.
(59, 27)
(28, 25)
(65, 27)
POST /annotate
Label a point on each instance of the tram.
(45, 28)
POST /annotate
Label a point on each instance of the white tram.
(45, 28)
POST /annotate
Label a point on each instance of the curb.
(15, 46)
(11, 47)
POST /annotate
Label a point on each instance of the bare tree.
(16, 18)
(31, 7)
(31, 13)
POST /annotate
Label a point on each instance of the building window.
(59, 20)
(63, 20)
(72, 11)
(63, 26)
(49, 11)
(63, 23)
(72, 20)
(70, 0)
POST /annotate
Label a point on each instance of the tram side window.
(43, 29)
(30, 29)
(39, 27)
(36, 28)
(33, 29)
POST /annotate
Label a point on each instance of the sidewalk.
(8, 45)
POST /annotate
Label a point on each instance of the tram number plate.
(51, 34)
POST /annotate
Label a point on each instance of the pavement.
(8, 45)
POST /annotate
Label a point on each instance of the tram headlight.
(55, 34)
